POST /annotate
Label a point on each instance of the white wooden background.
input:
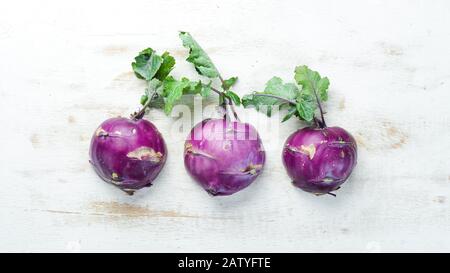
(65, 67)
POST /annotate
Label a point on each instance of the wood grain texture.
(65, 67)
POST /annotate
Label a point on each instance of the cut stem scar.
(146, 153)
(309, 150)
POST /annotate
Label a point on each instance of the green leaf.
(154, 85)
(206, 90)
(191, 87)
(262, 104)
(198, 57)
(292, 111)
(274, 87)
(166, 66)
(234, 97)
(322, 87)
(312, 82)
(154, 91)
(173, 90)
(227, 84)
(146, 64)
(158, 102)
(221, 99)
(306, 106)
(144, 99)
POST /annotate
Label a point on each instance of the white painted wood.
(65, 67)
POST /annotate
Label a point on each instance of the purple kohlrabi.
(223, 156)
(128, 153)
(319, 160)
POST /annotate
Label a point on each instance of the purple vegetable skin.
(319, 160)
(223, 156)
(128, 153)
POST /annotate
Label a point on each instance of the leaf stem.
(276, 97)
(228, 102)
(318, 122)
(222, 93)
(220, 78)
(323, 124)
(217, 91)
(141, 112)
(233, 110)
